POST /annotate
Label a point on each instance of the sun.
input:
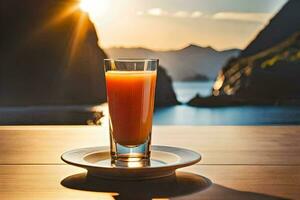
(95, 8)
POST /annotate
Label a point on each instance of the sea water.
(238, 115)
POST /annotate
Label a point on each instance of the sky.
(174, 24)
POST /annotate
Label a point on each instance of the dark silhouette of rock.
(213, 101)
(225, 100)
(42, 63)
(165, 95)
(283, 25)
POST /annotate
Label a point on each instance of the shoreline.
(225, 101)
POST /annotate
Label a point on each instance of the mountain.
(271, 74)
(164, 94)
(281, 26)
(183, 63)
(267, 71)
(39, 64)
(268, 77)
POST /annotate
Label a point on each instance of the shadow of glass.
(177, 185)
(181, 184)
(220, 192)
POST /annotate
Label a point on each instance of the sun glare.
(95, 8)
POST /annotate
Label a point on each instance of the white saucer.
(164, 161)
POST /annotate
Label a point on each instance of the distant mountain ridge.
(182, 63)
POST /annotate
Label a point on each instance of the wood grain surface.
(276, 145)
(239, 162)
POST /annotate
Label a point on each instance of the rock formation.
(165, 95)
(41, 60)
(49, 56)
(269, 77)
(267, 72)
(282, 25)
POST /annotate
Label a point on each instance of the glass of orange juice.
(130, 86)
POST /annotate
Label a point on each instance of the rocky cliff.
(49, 56)
(271, 74)
(165, 95)
(267, 71)
(269, 77)
(281, 26)
(39, 62)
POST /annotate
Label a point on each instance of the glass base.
(130, 164)
(130, 156)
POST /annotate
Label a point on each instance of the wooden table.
(239, 162)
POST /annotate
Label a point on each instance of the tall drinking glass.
(130, 85)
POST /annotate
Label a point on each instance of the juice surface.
(130, 96)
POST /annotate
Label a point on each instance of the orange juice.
(130, 96)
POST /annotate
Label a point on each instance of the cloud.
(237, 16)
(243, 16)
(196, 14)
(157, 12)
